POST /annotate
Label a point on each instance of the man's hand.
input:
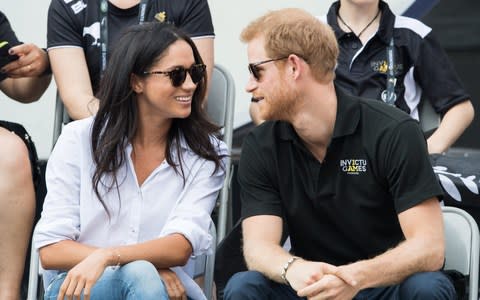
(302, 274)
(83, 276)
(174, 286)
(32, 61)
(329, 287)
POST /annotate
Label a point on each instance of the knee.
(14, 157)
(246, 285)
(427, 285)
(143, 280)
(140, 270)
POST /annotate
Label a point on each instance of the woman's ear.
(136, 83)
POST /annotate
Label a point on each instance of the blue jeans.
(133, 281)
(252, 285)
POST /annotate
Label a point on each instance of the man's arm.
(262, 234)
(73, 81)
(453, 124)
(422, 251)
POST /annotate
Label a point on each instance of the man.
(422, 69)
(350, 177)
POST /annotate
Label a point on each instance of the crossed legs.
(17, 209)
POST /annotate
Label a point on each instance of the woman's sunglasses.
(255, 71)
(179, 74)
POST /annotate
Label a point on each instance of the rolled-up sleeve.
(191, 216)
(60, 218)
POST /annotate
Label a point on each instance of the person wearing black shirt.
(77, 31)
(422, 70)
(349, 176)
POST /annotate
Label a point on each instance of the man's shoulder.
(264, 138)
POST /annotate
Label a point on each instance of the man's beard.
(281, 104)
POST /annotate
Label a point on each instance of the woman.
(80, 41)
(133, 187)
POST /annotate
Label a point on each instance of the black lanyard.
(389, 95)
(104, 28)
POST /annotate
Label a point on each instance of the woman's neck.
(151, 133)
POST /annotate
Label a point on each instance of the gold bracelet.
(285, 268)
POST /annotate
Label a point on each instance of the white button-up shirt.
(163, 205)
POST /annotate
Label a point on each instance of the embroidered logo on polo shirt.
(161, 16)
(381, 66)
(353, 166)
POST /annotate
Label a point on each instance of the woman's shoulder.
(79, 127)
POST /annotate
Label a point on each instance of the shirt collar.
(385, 30)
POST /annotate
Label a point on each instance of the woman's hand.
(83, 276)
(174, 286)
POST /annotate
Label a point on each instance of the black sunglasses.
(179, 74)
(253, 67)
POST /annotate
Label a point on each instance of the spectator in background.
(79, 29)
(134, 186)
(24, 77)
(341, 171)
(364, 30)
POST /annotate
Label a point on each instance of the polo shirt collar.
(385, 29)
(348, 114)
(346, 120)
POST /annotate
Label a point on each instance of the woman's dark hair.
(115, 124)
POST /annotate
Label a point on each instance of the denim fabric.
(252, 285)
(134, 281)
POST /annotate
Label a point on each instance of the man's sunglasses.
(253, 67)
(179, 74)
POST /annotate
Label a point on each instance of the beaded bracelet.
(285, 268)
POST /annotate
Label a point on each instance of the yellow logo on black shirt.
(381, 66)
(353, 166)
(161, 16)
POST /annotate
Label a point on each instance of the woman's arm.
(169, 251)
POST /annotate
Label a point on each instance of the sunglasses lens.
(178, 76)
(197, 72)
(254, 71)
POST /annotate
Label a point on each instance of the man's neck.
(315, 121)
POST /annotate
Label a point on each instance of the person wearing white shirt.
(131, 190)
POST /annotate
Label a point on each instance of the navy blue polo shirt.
(344, 209)
(422, 68)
